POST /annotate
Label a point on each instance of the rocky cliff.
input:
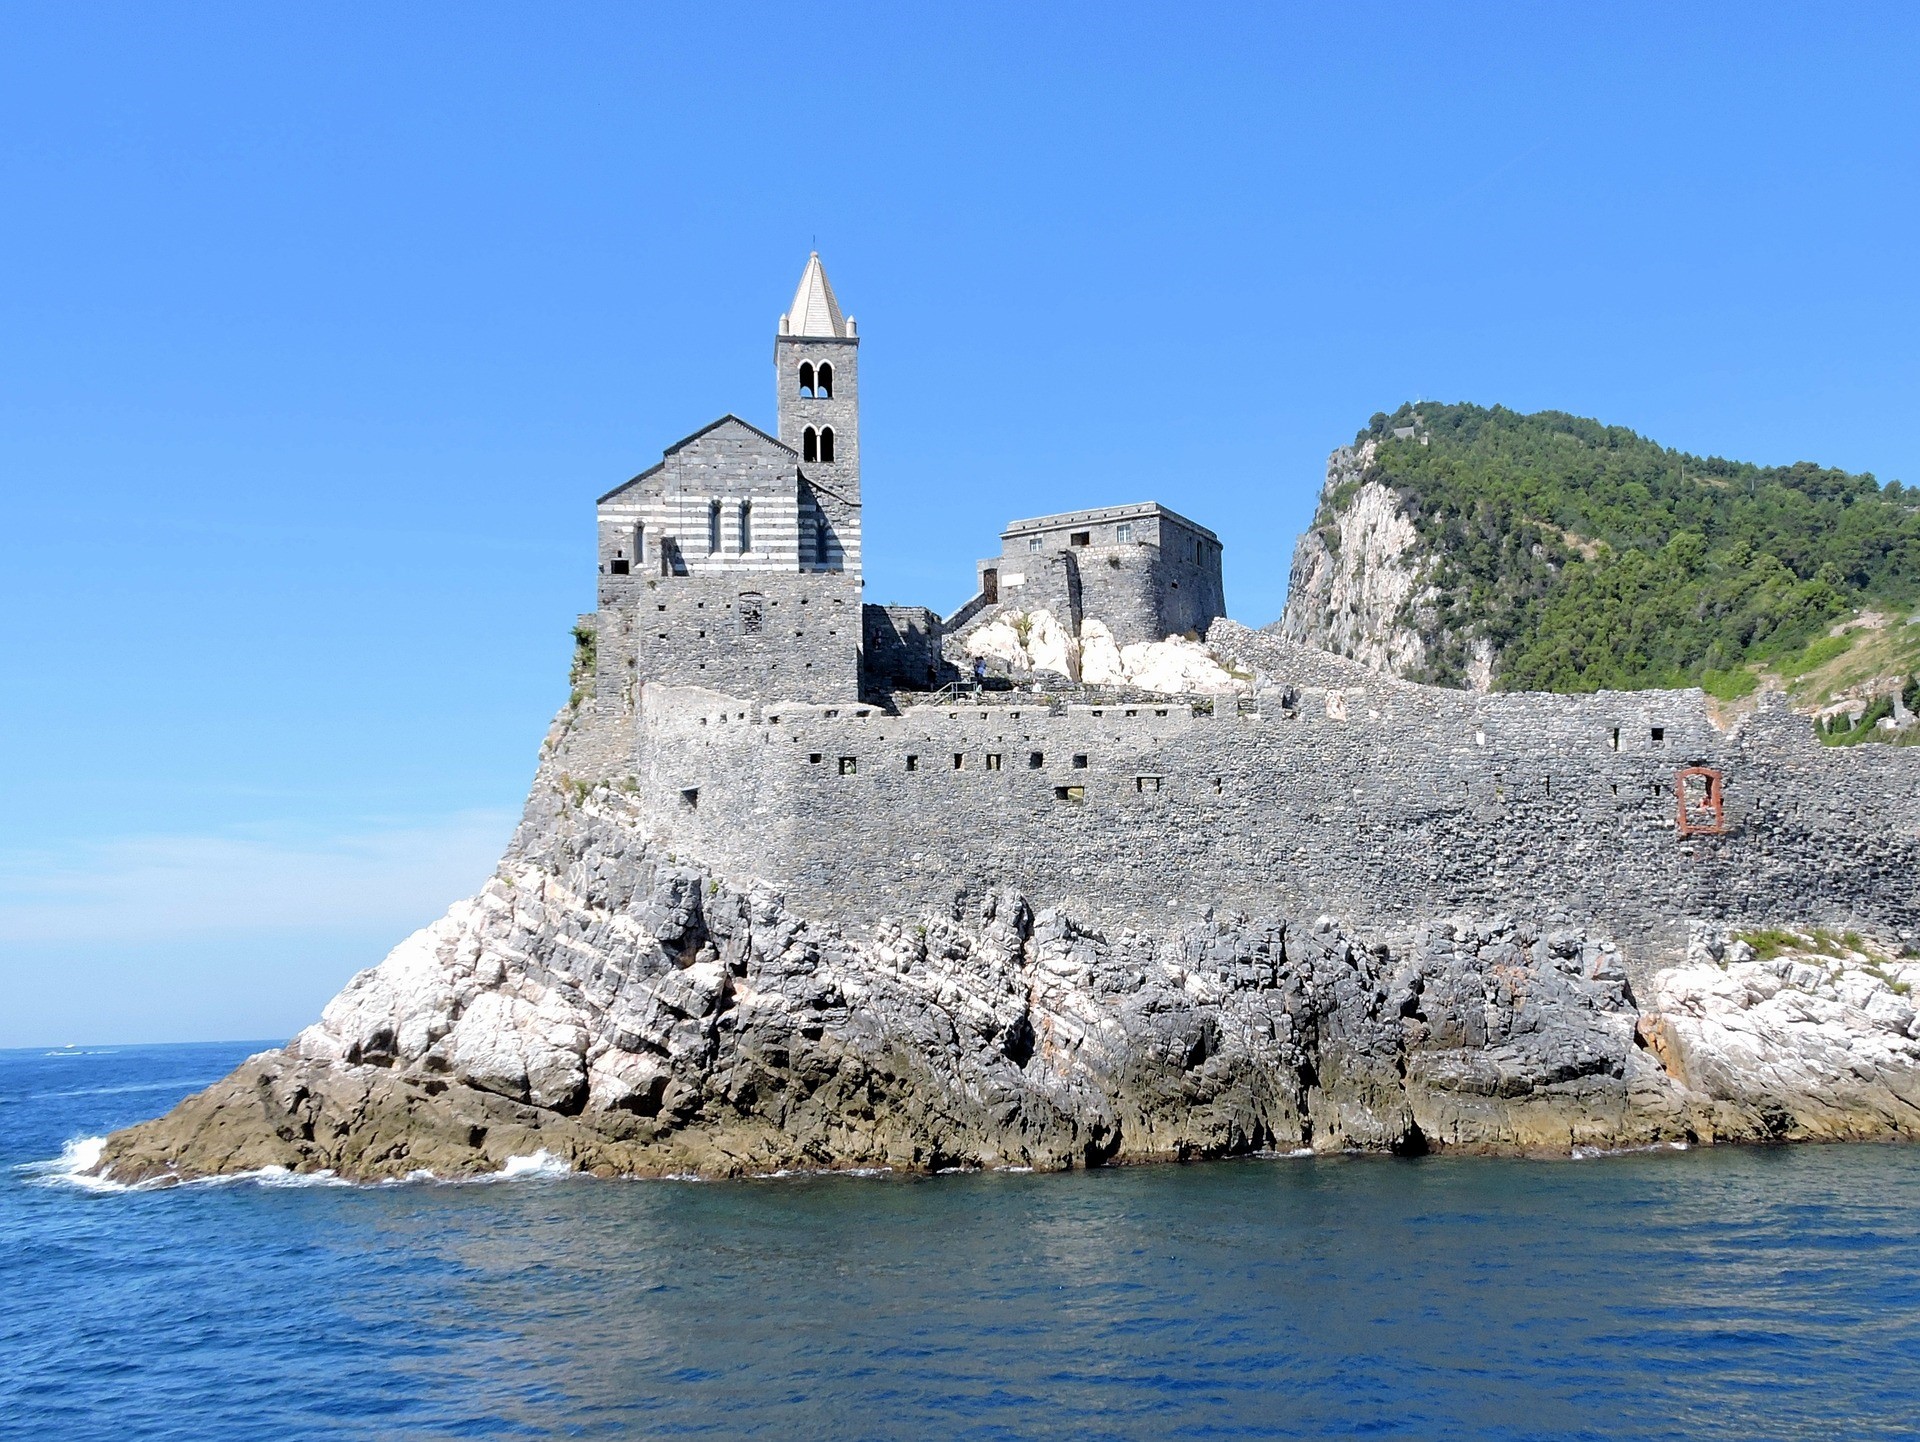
(1480, 548)
(1365, 586)
(630, 1011)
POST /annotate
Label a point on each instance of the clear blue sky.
(322, 326)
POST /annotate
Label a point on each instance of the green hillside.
(1592, 557)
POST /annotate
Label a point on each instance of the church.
(734, 563)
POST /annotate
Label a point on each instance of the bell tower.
(816, 363)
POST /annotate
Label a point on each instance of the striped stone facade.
(696, 553)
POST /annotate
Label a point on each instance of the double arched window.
(816, 383)
(816, 445)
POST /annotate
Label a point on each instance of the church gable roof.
(730, 420)
(759, 438)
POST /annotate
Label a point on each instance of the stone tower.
(816, 359)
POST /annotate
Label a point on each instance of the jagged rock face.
(1358, 572)
(1362, 582)
(631, 1012)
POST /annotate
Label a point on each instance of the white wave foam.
(789, 1173)
(74, 1168)
(542, 1163)
(1587, 1154)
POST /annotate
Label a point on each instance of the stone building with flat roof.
(1147, 572)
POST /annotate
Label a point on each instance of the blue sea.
(1705, 1293)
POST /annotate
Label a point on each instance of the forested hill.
(1551, 552)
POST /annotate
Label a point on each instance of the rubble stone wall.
(1378, 800)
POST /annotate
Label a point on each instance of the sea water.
(1705, 1293)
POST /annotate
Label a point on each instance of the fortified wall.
(1380, 801)
(771, 723)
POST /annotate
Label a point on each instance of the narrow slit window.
(913, 763)
(746, 527)
(993, 761)
(713, 526)
(959, 761)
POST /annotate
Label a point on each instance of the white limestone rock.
(1824, 1046)
(1037, 643)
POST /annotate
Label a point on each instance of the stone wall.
(903, 649)
(765, 634)
(1378, 800)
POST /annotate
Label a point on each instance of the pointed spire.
(814, 310)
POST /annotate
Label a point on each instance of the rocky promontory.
(631, 1011)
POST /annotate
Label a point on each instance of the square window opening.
(1069, 793)
(1035, 760)
(849, 765)
(1080, 761)
(690, 798)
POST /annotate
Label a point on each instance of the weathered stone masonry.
(1382, 802)
(729, 694)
